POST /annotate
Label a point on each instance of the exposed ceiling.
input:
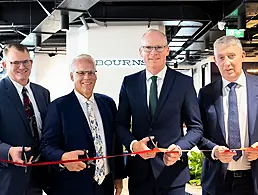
(191, 26)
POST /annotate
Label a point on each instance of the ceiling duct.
(52, 24)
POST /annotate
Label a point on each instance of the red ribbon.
(154, 150)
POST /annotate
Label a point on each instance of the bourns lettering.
(120, 63)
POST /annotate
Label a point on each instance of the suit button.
(94, 154)
(150, 129)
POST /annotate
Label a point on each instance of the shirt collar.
(160, 75)
(241, 81)
(83, 99)
(19, 87)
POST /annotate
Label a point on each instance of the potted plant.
(195, 160)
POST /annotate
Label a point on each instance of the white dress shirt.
(241, 92)
(160, 80)
(19, 88)
(82, 100)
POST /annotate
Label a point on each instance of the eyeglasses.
(148, 49)
(24, 62)
(84, 72)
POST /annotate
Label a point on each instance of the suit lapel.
(80, 114)
(219, 106)
(13, 95)
(143, 89)
(165, 90)
(252, 99)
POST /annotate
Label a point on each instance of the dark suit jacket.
(15, 131)
(211, 106)
(66, 129)
(177, 103)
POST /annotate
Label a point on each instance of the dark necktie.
(153, 98)
(31, 117)
(234, 140)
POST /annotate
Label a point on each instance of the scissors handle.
(24, 158)
(89, 162)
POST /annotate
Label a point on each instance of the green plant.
(195, 160)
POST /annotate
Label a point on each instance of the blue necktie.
(153, 97)
(234, 140)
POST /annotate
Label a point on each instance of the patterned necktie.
(233, 121)
(31, 118)
(153, 98)
(100, 168)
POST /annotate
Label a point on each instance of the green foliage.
(195, 160)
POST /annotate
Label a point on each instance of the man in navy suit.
(16, 130)
(229, 172)
(83, 120)
(158, 100)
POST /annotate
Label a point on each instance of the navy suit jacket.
(177, 104)
(66, 129)
(211, 107)
(15, 131)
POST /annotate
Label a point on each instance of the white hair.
(227, 40)
(79, 57)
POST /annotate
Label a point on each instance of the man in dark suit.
(83, 120)
(229, 113)
(158, 100)
(22, 108)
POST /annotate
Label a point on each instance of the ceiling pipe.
(64, 21)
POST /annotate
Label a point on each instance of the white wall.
(52, 73)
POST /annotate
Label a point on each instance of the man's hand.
(141, 146)
(73, 155)
(223, 154)
(172, 155)
(252, 154)
(118, 184)
(16, 153)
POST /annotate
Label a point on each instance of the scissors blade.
(152, 143)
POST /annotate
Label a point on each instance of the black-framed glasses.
(158, 48)
(84, 72)
(24, 62)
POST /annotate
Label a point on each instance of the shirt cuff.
(131, 146)
(213, 153)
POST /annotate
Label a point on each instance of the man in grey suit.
(22, 109)
(229, 113)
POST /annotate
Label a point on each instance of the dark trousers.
(237, 183)
(106, 188)
(150, 186)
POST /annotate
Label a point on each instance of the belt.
(240, 173)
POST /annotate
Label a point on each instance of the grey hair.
(82, 56)
(154, 30)
(228, 41)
